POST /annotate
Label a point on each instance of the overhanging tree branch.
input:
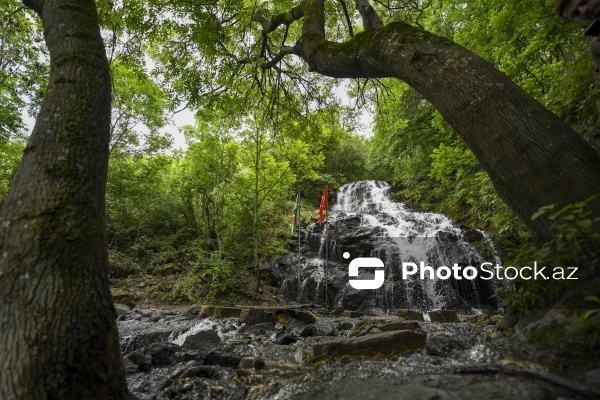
(515, 139)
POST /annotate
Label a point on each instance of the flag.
(323, 205)
(296, 212)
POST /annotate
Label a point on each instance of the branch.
(286, 18)
(347, 16)
(282, 53)
(368, 14)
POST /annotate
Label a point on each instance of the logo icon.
(365, 262)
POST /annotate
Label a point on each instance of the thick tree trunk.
(532, 157)
(58, 335)
(255, 206)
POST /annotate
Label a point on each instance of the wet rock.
(227, 312)
(123, 311)
(443, 316)
(399, 326)
(344, 325)
(253, 316)
(202, 341)
(410, 315)
(185, 356)
(308, 331)
(471, 235)
(352, 314)
(442, 346)
(162, 352)
(296, 324)
(208, 310)
(287, 339)
(129, 366)
(222, 359)
(305, 316)
(386, 343)
(200, 371)
(141, 340)
(140, 358)
(193, 310)
(371, 325)
(122, 297)
(252, 362)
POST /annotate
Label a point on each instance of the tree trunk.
(58, 335)
(532, 157)
(255, 206)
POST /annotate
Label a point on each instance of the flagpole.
(326, 246)
(298, 218)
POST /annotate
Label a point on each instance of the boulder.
(122, 310)
(253, 316)
(227, 312)
(410, 315)
(122, 297)
(398, 342)
(202, 341)
(352, 314)
(382, 324)
(208, 310)
(442, 346)
(287, 339)
(443, 316)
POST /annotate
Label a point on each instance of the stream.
(173, 355)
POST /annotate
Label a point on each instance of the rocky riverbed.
(312, 353)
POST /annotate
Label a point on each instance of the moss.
(121, 297)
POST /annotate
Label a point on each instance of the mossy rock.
(122, 297)
(410, 315)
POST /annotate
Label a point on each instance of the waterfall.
(366, 222)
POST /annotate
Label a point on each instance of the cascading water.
(366, 222)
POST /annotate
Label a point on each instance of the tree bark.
(255, 208)
(532, 157)
(58, 335)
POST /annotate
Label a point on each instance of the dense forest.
(278, 111)
(257, 142)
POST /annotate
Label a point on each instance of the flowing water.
(366, 222)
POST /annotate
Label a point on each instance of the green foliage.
(10, 154)
(430, 165)
(23, 66)
(589, 313)
(221, 274)
(575, 245)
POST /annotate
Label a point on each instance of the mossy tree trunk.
(532, 157)
(58, 335)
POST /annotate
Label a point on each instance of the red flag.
(323, 205)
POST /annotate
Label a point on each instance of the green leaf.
(593, 299)
(541, 211)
